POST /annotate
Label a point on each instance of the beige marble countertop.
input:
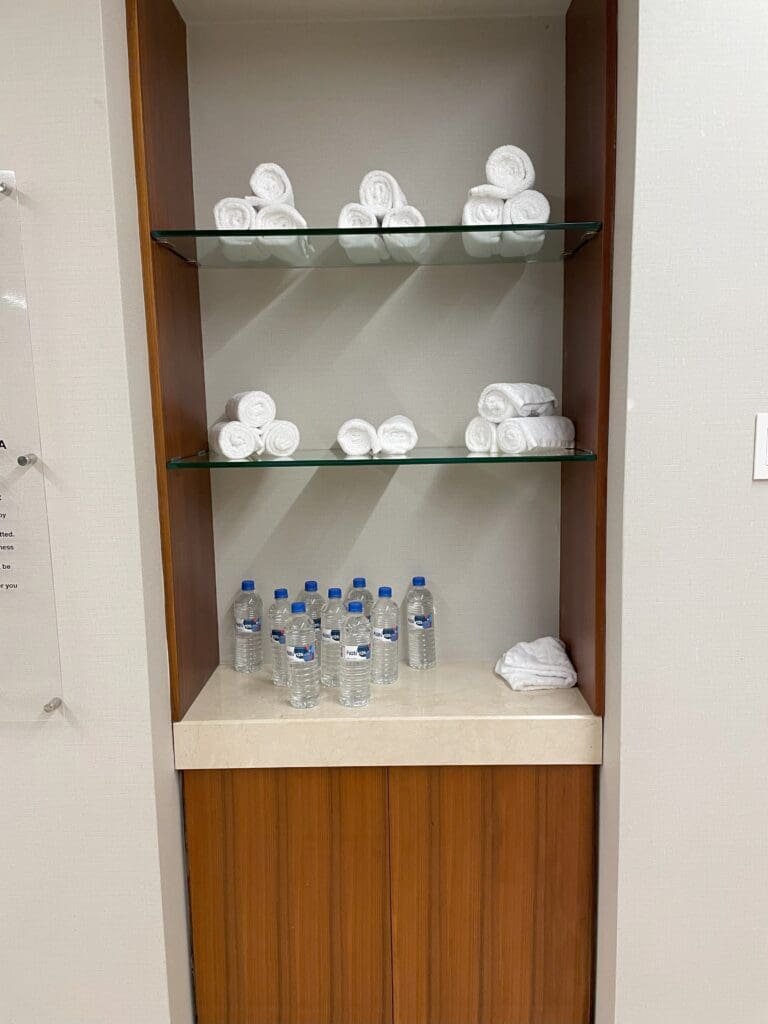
(455, 714)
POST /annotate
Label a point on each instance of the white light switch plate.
(761, 447)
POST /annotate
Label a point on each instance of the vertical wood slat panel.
(289, 889)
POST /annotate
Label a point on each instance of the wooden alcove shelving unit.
(411, 895)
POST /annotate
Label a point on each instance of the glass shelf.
(445, 245)
(418, 457)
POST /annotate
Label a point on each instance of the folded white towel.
(480, 436)
(361, 248)
(270, 184)
(234, 440)
(524, 433)
(406, 248)
(397, 436)
(501, 401)
(482, 209)
(292, 248)
(539, 665)
(281, 438)
(254, 408)
(529, 207)
(510, 168)
(380, 193)
(358, 437)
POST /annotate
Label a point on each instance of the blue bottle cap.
(385, 591)
(355, 607)
(248, 585)
(358, 582)
(280, 594)
(298, 607)
(334, 592)
(419, 581)
(311, 586)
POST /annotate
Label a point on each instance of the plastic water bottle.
(384, 621)
(333, 619)
(303, 666)
(248, 655)
(279, 617)
(315, 603)
(359, 592)
(420, 616)
(355, 658)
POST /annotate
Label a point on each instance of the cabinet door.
(289, 892)
(492, 894)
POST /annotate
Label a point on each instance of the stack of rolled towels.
(395, 436)
(249, 426)
(383, 205)
(507, 197)
(518, 418)
(269, 207)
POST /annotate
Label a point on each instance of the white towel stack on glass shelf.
(249, 427)
(383, 203)
(517, 418)
(539, 665)
(395, 436)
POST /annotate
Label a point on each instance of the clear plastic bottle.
(359, 592)
(384, 621)
(333, 619)
(315, 603)
(355, 658)
(279, 617)
(420, 617)
(303, 666)
(248, 610)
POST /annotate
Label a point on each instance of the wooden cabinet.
(411, 895)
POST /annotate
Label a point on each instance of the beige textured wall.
(684, 844)
(427, 101)
(91, 869)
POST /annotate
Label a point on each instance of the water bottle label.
(332, 634)
(357, 652)
(300, 654)
(248, 625)
(387, 633)
(278, 636)
(421, 621)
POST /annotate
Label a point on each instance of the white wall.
(683, 931)
(427, 100)
(91, 869)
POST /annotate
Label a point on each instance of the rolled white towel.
(235, 214)
(292, 248)
(501, 401)
(523, 433)
(480, 436)
(529, 207)
(482, 210)
(361, 248)
(380, 193)
(270, 184)
(281, 438)
(233, 439)
(510, 168)
(406, 248)
(539, 665)
(254, 408)
(397, 436)
(358, 437)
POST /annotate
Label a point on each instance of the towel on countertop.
(294, 249)
(501, 401)
(254, 408)
(524, 433)
(406, 248)
(358, 437)
(270, 184)
(480, 436)
(380, 193)
(529, 207)
(234, 440)
(539, 665)
(482, 210)
(361, 248)
(281, 438)
(397, 436)
(510, 168)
